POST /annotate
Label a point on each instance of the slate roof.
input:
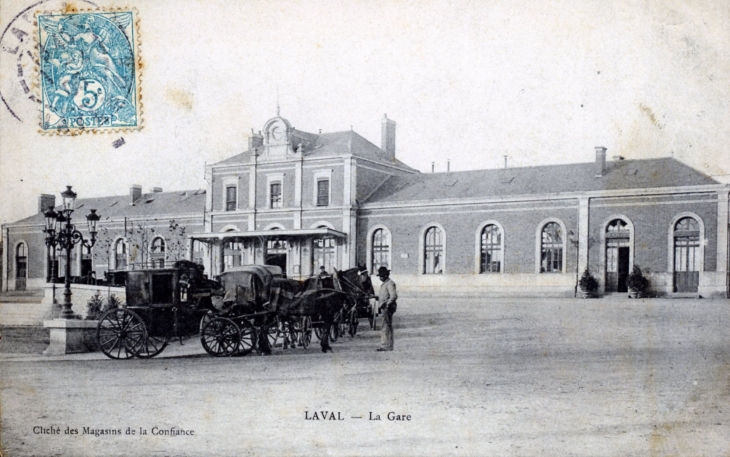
(326, 144)
(150, 204)
(579, 177)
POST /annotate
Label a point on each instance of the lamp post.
(62, 233)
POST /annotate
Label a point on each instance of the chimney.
(432, 166)
(135, 193)
(600, 161)
(256, 140)
(387, 138)
(156, 190)
(46, 201)
(448, 165)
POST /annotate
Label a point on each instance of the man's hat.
(382, 271)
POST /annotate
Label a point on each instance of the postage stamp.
(89, 71)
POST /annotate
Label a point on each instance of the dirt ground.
(608, 377)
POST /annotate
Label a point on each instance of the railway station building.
(305, 200)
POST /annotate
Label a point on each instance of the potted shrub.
(588, 285)
(637, 283)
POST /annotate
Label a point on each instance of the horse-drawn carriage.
(258, 308)
(162, 304)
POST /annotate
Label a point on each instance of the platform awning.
(293, 233)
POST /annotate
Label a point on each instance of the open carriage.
(162, 304)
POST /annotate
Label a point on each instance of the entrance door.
(623, 269)
(276, 253)
(686, 271)
(617, 264)
(686, 255)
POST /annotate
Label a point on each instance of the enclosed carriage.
(162, 304)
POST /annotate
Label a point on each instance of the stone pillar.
(298, 193)
(252, 177)
(583, 234)
(349, 252)
(723, 220)
(71, 336)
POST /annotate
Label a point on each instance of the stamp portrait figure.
(88, 71)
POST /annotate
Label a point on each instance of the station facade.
(305, 200)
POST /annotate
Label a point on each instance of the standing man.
(386, 304)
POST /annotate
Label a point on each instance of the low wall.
(81, 294)
(485, 285)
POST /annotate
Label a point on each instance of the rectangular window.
(276, 195)
(231, 198)
(323, 192)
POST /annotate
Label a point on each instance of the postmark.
(89, 71)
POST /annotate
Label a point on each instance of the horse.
(351, 288)
(311, 301)
(356, 283)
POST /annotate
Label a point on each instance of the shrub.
(636, 281)
(94, 307)
(114, 302)
(588, 283)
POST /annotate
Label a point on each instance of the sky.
(466, 81)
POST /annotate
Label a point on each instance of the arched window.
(120, 254)
(490, 250)
(686, 255)
(551, 248)
(433, 253)
(21, 266)
(157, 252)
(380, 249)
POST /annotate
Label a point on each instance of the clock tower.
(277, 143)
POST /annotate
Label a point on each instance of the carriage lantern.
(62, 233)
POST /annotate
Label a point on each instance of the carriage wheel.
(319, 332)
(220, 337)
(354, 322)
(247, 340)
(204, 320)
(306, 336)
(153, 346)
(120, 333)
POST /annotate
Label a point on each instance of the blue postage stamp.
(89, 71)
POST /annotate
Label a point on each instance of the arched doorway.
(686, 255)
(618, 255)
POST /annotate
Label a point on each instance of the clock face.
(277, 133)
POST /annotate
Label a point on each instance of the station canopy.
(212, 237)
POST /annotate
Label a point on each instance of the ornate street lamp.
(62, 233)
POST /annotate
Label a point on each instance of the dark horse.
(323, 303)
(356, 283)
